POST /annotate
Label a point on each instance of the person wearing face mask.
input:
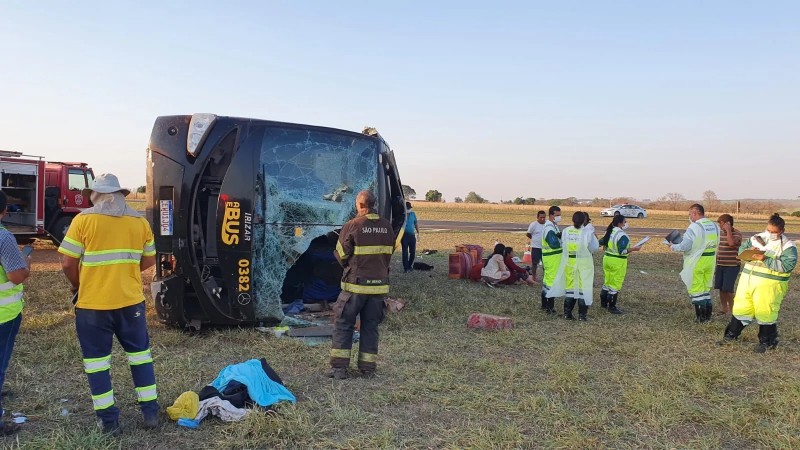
(763, 284)
(575, 275)
(699, 248)
(551, 256)
(727, 263)
(535, 235)
(615, 262)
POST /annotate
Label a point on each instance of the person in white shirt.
(495, 269)
(535, 235)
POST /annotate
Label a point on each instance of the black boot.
(544, 302)
(551, 305)
(703, 317)
(569, 304)
(612, 304)
(698, 313)
(583, 310)
(732, 331)
(767, 338)
(708, 311)
(604, 300)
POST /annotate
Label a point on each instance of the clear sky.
(533, 98)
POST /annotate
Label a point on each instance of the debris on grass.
(489, 322)
(394, 305)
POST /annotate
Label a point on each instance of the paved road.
(446, 225)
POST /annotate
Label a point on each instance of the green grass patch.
(650, 378)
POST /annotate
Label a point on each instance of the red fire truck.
(43, 197)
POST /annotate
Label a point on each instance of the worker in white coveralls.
(575, 275)
(615, 262)
(763, 283)
(699, 247)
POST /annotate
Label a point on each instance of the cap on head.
(105, 183)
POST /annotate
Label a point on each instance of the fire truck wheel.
(60, 228)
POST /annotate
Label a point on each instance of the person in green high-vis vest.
(615, 262)
(14, 269)
(699, 247)
(551, 257)
(763, 284)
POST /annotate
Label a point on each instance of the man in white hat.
(105, 250)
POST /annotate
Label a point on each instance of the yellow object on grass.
(185, 406)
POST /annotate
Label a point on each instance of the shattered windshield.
(309, 180)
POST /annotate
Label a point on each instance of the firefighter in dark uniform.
(364, 249)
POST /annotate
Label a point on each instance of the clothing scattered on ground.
(254, 374)
(220, 408)
(422, 266)
(186, 406)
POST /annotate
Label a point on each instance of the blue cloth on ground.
(261, 389)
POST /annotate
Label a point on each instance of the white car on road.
(625, 210)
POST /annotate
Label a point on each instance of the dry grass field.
(522, 214)
(650, 378)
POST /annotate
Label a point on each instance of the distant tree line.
(672, 201)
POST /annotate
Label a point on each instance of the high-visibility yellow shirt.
(110, 249)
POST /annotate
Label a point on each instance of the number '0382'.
(244, 275)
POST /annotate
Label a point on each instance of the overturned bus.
(237, 204)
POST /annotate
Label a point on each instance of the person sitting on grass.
(495, 269)
(517, 273)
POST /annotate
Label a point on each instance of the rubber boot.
(732, 331)
(708, 311)
(698, 313)
(604, 300)
(767, 338)
(703, 318)
(569, 304)
(544, 302)
(583, 310)
(551, 305)
(612, 304)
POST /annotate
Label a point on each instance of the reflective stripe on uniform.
(92, 365)
(103, 401)
(340, 250)
(146, 393)
(764, 273)
(13, 299)
(71, 247)
(359, 289)
(398, 240)
(109, 257)
(137, 358)
(149, 248)
(368, 357)
(614, 255)
(7, 285)
(372, 250)
(340, 353)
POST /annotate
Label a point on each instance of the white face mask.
(625, 226)
(557, 219)
(773, 236)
